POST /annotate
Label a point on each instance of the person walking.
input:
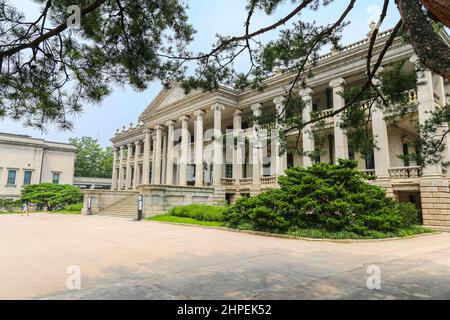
(25, 209)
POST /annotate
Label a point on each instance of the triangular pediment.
(165, 98)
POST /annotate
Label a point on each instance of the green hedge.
(324, 197)
(200, 212)
(74, 207)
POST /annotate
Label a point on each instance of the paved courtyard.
(120, 259)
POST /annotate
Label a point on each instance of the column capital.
(122, 147)
(136, 143)
(147, 131)
(184, 118)
(279, 100)
(129, 145)
(237, 113)
(217, 107)
(256, 107)
(170, 123)
(199, 113)
(415, 59)
(158, 127)
(339, 82)
(306, 92)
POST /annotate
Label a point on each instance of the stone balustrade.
(269, 180)
(246, 181)
(228, 181)
(405, 172)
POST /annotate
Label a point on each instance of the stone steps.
(126, 208)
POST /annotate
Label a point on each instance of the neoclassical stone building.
(173, 156)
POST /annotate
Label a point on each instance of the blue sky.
(208, 17)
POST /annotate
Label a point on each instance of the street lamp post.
(140, 206)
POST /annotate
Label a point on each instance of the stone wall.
(158, 199)
(435, 197)
(101, 199)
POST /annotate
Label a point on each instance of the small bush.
(201, 212)
(74, 207)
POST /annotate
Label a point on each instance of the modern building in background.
(175, 123)
(92, 183)
(25, 160)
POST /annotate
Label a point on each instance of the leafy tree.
(91, 159)
(48, 69)
(51, 196)
(324, 196)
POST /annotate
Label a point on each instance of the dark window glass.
(329, 97)
(55, 179)
(370, 161)
(290, 160)
(11, 177)
(406, 154)
(351, 152)
(27, 177)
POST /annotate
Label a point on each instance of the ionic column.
(137, 146)
(121, 167)
(164, 159)
(170, 140)
(218, 142)
(157, 150)
(340, 138)
(184, 150)
(237, 150)
(425, 99)
(278, 163)
(152, 178)
(198, 136)
(146, 163)
(380, 133)
(307, 132)
(257, 148)
(114, 173)
(128, 172)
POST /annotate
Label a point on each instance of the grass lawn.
(307, 233)
(174, 219)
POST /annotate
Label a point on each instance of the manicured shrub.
(75, 207)
(51, 196)
(325, 197)
(200, 212)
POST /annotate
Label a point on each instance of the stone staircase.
(126, 208)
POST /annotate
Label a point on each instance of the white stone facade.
(175, 145)
(25, 160)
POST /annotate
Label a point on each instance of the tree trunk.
(433, 52)
(440, 9)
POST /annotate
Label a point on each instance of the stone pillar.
(278, 163)
(238, 148)
(340, 137)
(381, 152)
(146, 163)
(257, 147)
(170, 140)
(114, 173)
(128, 172)
(164, 159)
(218, 143)
(198, 136)
(121, 167)
(152, 178)
(184, 150)
(434, 187)
(157, 151)
(137, 146)
(307, 132)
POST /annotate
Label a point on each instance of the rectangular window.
(229, 170)
(11, 177)
(370, 161)
(290, 160)
(329, 97)
(55, 179)
(351, 152)
(27, 177)
(406, 155)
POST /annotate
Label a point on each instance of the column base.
(435, 198)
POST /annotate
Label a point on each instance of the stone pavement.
(122, 259)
